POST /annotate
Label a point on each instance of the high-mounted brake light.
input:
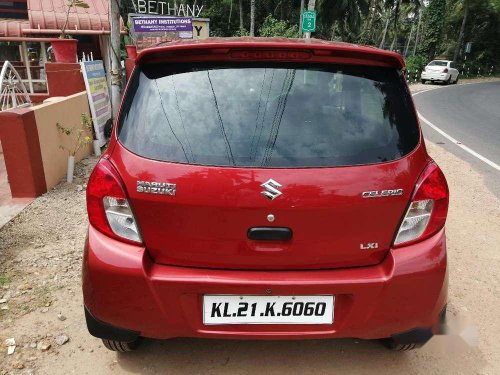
(428, 208)
(270, 55)
(107, 205)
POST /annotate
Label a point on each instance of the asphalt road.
(470, 114)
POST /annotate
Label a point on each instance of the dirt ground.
(41, 302)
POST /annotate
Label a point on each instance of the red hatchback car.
(266, 189)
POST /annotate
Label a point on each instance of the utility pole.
(116, 67)
(311, 5)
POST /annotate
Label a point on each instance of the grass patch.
(4, 280)
(42, 296)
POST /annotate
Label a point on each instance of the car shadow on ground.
(312, 356)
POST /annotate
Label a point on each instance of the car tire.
(423, 81)
(448, 81)
(455, 81)
(121, 346)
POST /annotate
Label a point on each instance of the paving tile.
(9, 207)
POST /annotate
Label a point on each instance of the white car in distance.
(440, 71)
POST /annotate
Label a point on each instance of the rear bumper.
(435, 76)
(124, 288)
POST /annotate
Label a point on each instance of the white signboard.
(167, 8)
(98, 95)
(149, 30)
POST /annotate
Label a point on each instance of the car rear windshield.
(438, 63)
(268, 115)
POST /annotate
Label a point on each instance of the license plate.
(231, 309)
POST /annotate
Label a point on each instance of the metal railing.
(36, 80)
(13, 93)
(465, 71)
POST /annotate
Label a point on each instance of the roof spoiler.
(339, 53)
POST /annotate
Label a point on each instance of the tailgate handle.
(269, 234)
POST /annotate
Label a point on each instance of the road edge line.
(449, 86)
(459, 144)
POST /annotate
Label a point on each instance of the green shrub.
(273, 27)
(417, 62)
(242, 32)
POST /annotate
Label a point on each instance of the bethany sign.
(167, 8)
(148, 29)
(154, 24)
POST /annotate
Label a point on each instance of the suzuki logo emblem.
(271, 187)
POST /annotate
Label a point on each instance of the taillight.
(428, 208)
(107, 205)
(445, 70)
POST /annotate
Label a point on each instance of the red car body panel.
(197, 244)
(122, 285)
(206, 224)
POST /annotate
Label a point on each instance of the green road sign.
(309, 21)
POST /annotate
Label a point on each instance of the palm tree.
(301, 11)
(230, 14)
(417, 37)
(252, 17)
(409, 40)
(465, 5)
(241, 16)
(384, 34)
(394, 7)
(367, 33)
(346, 15)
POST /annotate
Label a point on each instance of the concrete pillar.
(21, 149)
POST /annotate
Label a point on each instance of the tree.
(252, 17)
(342, 16)
(434, 16)
(241, 16)
(419, 28)
(417, 36)
(230, 14)
(465, 5)
(374, 10)
(300, 19)
(481, 29)
(396, 5)
(386, 27)
(405, 53)
(398, 9)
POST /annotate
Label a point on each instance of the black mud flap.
(106, 331)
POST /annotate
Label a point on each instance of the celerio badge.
(382, 193)
(153, 187)
(271, 187)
